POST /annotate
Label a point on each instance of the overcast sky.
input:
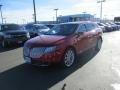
(17, 11)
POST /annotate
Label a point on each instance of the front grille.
(37, 52)
(17, 36)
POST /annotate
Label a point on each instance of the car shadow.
(26, 77)
(9, 48)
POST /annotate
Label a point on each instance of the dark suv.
(12, 33)
(36, 29)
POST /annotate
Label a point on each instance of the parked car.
(36, 29)
(102, 26)
(50, 25)
(12, 33)
(118, 24)
(115, 27)
(62, 44)
(108, 27)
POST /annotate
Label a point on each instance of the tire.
(69, 58)
(98, 45)
(4, 44)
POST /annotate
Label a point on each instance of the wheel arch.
(72, 47)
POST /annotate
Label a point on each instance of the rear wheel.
(69, 58)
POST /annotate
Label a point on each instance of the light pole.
(1, 13)
(56, 14)
(34, 7)
(101, 7)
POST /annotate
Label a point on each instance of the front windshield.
(63, 29)
(10, 27)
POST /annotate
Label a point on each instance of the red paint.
(80, 43)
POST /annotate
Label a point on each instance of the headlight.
(28, 35)
(38, 52)
(7, 36)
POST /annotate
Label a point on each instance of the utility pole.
(101, 7)
(56, 14)
(1, 13)
(34, 7)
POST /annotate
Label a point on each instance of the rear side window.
(91, 26)
(82, 28)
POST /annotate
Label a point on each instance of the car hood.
(44, 41)
(15, 32)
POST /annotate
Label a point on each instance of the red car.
(62, 44)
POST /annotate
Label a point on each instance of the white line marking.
(117, 70)
(116, 86)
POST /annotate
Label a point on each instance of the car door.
(81, 38)
(96, 32)
(91, 35)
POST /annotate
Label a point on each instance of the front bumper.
(46, 59)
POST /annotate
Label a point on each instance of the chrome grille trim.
(37, 52)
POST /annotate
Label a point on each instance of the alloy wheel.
(69, 58)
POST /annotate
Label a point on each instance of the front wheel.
(4, 44)
(69, 58)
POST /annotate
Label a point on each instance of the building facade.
(77, 17)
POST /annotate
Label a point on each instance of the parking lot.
(93, 71)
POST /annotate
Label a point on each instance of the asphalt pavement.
(93, 71)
